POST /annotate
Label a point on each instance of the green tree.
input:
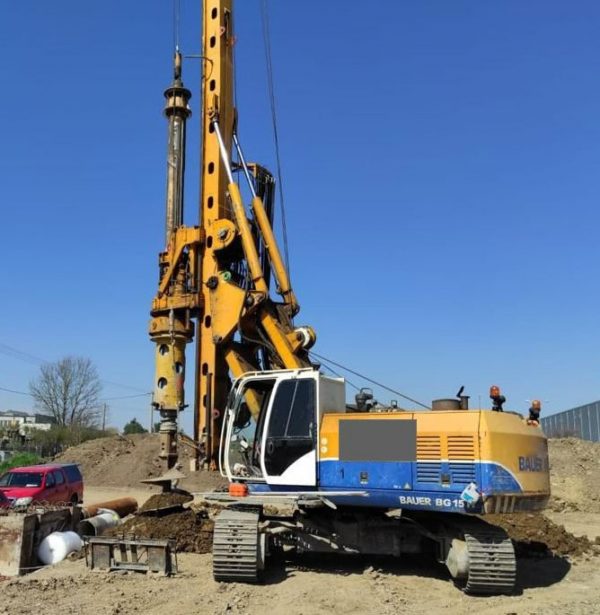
(48, 443)
(21, 459)
(133, 427)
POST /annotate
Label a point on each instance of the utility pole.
(103, 417)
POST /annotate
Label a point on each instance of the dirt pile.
(574, 475)
(117, 460)
(191, 530)
(534, 535)
(162, 501)
(124, 461)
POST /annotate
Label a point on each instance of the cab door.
(242, 430)
(290, 437)
(47, 495)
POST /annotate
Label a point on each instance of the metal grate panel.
(461, 448)
(429, 447)
(429, 472)
(462, 472)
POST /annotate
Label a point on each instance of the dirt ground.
(558, 567)
(321, 586)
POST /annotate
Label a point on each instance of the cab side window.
(58, 477)
(293, 410)
(49, 480)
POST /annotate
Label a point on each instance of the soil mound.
(534, 535)
(574, 475)
(124, 461)
(161, 501)
(117, 461)
(191, 530)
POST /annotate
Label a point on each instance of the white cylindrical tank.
(56, 546)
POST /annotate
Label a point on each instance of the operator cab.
(272, 423)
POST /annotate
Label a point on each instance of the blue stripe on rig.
(421, 476)
(381, 498)
(394, 484)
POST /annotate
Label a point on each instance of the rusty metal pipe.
(122, 506)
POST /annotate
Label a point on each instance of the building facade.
(581, 422)
(24, 421)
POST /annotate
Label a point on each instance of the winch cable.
(363, 377)
(264, 11)
(328, 367)
(176, 20)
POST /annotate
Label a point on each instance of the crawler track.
(236, 547)
(492, 562)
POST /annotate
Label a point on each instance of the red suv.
(52, 483)
(4, 502)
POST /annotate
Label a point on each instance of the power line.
(7, 350)
(16, 392)
(124, 386)
(383, 386)
(126, 397)
(103, 399)
(15, 353)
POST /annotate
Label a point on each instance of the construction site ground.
(559, 567)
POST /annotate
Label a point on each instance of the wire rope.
(363, 377)
(176, 21)
(264, 9)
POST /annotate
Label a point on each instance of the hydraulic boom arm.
(219, 272)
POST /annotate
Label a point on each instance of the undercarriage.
(479, 557)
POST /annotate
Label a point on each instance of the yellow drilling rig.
(362, 479)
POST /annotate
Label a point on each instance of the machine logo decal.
(533, 464)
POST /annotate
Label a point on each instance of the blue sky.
(440, 166)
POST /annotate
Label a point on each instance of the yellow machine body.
(503, 457)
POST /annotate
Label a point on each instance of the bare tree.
(68, 390)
